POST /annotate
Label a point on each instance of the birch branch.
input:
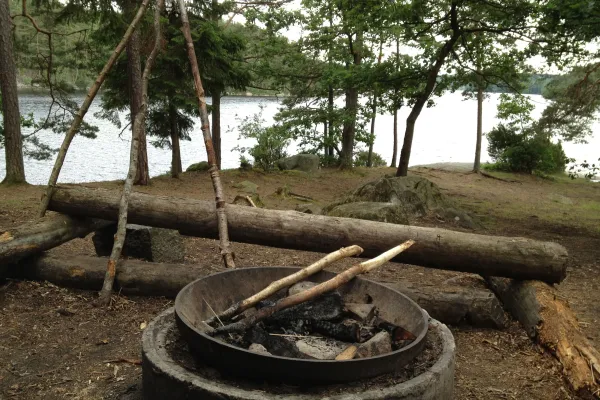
(314, 292)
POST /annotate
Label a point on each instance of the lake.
(444, 133)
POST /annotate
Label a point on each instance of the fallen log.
(550, 322)
(43, 234)
(455, 305)
(511, 257)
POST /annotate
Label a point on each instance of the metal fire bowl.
(226, 288)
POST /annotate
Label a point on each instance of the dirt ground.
(54, 344)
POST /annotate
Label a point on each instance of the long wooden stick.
(224, 244)
(289, 280)
(138, 125)
(89, 98)
(316, 291)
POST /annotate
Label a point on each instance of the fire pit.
(219, 291)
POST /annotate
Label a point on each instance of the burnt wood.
(518, 258)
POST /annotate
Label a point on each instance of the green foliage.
(584, 169)
(360, 160)
(272, 141)
(245, 164)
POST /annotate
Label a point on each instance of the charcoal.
(326, 307)
(276, 345)
(347, 331)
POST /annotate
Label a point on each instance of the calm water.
(444, 133)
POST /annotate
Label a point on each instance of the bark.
(511, 257)
(477, 163)
(330, 119)
(452, 304)
(289, 280)
(176, 167)
(43, 234)
(226, 252)
(138, 126)
(456, 304)
(316, 291)
(374, 111)
(13, 140)
(351, 109)
(421, 100)
(552, 324)
(134, 81)
(216, 124)
(395, 149)
(78, 118)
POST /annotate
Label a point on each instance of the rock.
(309, 209)
(201, 166)
(382, 212)
(301, 162)
(247, 187)
(300, 287)
(400, 200)
(258, 348)
(321, 348)
(143, 242)
(243, 201)
(378, 344)
(362, 312)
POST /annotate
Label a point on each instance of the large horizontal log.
(552, 324)
(43, 234)
(451, 305)
(511, 257)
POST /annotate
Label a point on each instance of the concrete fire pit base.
(164, 377)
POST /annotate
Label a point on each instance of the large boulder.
(372, 211)
(401, 200)
(247, 187)
(300, 162)
(198, 167)
(143, 242)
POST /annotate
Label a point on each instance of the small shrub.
(525, 151)
(363, 156)
(272, 141)
(245, 164)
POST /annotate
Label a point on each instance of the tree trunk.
(78, 118)
(550, 322)
(13, 140)
(395, 150)
(138, 126)
(43, 234)
(134, 82)
(330, 119)
(421, 100)
(325, 139)
(477, 163)
(374, 111)
(226, 252)
(349, 128)
(176, 167)
(216, 124)
(517, 258)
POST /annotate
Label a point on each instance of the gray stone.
(258, 348)
(300, 287)
(143, 242)
(372, 211)
(301, 162)
(309, 209)
(165, 378)
(198, 167)
(378, 344)
(362, 312)
(321, 348)
(247, 187)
